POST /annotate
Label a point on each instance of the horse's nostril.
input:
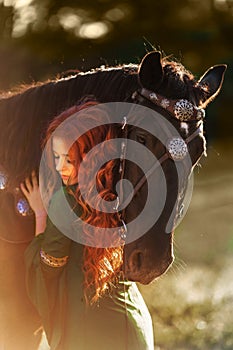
(136, 260)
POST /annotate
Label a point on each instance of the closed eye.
(67, 159)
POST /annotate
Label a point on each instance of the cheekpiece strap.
(182, 109)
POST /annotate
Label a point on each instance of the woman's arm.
(54, 246)
(30, 189)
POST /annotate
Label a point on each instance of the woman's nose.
(59, 164)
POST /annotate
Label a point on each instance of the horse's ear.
(150, 73)
(212, 81)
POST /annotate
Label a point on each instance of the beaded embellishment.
(177, 148)
(165, 103)
(51, 260)
(153, 96)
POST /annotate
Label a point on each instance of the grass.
(192, 309)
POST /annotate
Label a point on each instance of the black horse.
(158, 84)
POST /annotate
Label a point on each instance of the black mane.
(24, 116)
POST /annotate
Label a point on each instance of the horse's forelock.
(179, 83)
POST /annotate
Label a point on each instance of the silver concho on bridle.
(177, 148)
(183, 110)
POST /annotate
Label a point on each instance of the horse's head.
(169, 89)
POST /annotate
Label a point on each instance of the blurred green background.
(192, 305)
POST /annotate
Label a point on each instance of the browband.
(182, 109)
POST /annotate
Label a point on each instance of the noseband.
(176, 147)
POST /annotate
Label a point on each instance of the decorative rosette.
(165, 103)
(177, 148)
(183, 110)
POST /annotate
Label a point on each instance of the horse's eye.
(141, 139)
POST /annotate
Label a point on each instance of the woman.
(78, 289)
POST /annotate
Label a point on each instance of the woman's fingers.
(34, 179)
(29, 184)
(24, 190)
(30, 189)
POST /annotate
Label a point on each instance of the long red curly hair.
(101, 265)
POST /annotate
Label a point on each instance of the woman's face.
(63, 162)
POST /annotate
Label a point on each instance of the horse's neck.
(106, 85)
(25, 116)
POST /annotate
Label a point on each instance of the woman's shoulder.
(62, 191)
(63, 195)
(64, 211)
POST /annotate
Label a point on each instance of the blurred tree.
(6, 21)
(41, 36)
(60, 30)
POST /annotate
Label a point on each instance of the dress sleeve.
(46, 287)
(46, 260)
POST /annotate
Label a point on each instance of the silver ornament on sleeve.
(183, 110)
(177, 148)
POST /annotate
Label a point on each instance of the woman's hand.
(31, 191)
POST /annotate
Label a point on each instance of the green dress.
(119, 321)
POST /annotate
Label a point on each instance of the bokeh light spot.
(115, 14)
(93, 30)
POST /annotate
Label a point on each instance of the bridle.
(176, 148)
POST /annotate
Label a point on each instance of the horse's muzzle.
(142, 268)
